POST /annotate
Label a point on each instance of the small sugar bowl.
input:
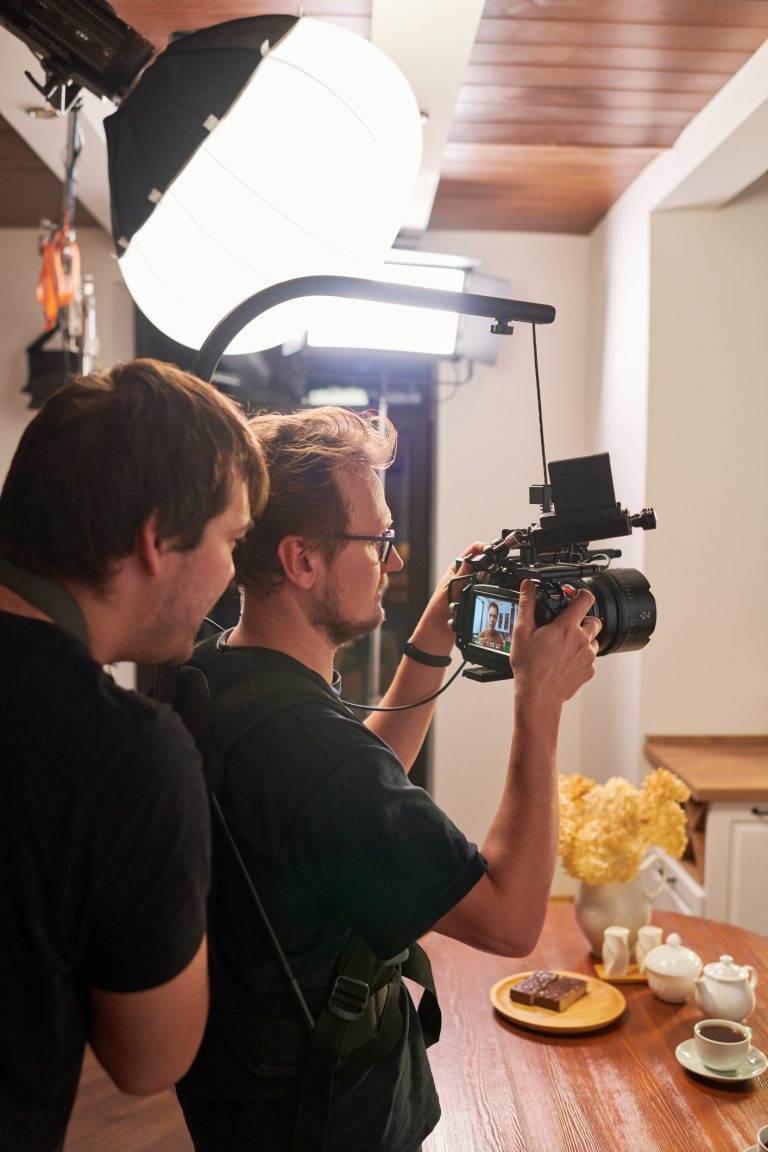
(671, 970)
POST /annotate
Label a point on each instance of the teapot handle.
(652, 890)
(751, 974)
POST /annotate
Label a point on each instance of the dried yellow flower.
(606, 829)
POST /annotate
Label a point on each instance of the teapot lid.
(673, 958)
(725, 969)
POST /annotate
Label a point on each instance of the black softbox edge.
(160, 125)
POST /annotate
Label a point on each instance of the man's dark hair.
(109, 450)
(307, 454)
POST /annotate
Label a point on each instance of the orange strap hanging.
(59, 276)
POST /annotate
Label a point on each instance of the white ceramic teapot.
(726, 990)
(671, 970)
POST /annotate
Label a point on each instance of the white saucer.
(753, 1065)
(752, 1149)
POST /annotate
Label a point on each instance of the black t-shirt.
(104, 863)
(336, 839)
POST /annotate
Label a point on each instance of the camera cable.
(538, 401)
(406, 707)
(376, 707)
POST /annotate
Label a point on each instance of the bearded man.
(118, 519)
(340, 846)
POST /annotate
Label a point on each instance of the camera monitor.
(582, 484)
(494, 614)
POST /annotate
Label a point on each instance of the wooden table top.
(507, 1089)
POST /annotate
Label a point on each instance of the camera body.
(556, 555)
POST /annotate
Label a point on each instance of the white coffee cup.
(762, 1139)
(722, 1044)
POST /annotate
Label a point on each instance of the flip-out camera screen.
(493, 617)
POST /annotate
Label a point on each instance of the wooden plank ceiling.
(564, 102)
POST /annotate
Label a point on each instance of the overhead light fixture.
(254, 152)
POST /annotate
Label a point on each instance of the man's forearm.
(405, 731)
(505, 911)
(521, 844)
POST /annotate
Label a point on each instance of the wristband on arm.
(414, 653)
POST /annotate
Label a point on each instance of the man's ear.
(299, 561)
(150, 545)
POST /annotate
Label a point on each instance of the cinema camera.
(556, 555)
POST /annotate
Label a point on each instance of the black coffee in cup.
(722, 1033)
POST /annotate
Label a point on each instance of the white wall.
(707, 670)
(488, 455)
(635, 289)
(21, 319)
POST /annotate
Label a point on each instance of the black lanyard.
(48, 596)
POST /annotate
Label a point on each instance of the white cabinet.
(726, 874)
(735, 880)
(682, 893)
(736, 865)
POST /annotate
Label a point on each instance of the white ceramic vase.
(628, 904)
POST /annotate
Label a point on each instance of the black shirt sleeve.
(150, 864)
(381, 851)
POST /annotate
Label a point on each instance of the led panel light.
(364, 324)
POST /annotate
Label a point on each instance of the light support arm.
(502, 312)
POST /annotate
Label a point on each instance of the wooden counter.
(719, 768)
(505, 1089)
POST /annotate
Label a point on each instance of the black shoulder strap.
(48, 596)
(220, 705)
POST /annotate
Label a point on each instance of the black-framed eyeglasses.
(386, 541)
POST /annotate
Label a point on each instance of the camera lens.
(626, 606)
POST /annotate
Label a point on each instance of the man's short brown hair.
(109, 450)
(307, 454)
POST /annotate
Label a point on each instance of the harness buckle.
(349, 998)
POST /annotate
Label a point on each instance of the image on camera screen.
(493, 620)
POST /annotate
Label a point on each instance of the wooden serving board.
(631, 976)
(601, 1005)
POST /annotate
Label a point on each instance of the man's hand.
(404, 731)
(433, 633)
(559, 657)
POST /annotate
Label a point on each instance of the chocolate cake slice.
(525, 990)
(559, 994)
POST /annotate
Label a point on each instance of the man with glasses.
(340, 846)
